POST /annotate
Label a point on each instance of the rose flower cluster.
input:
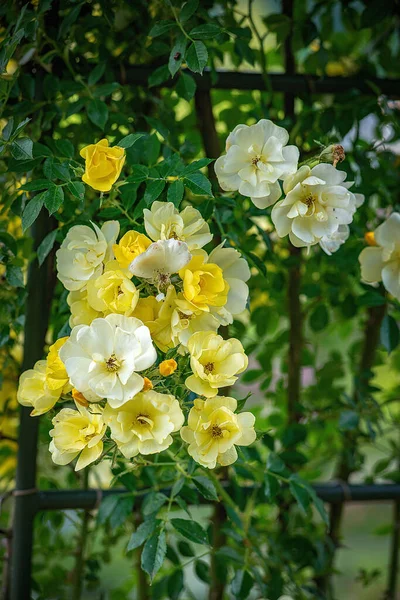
(145, 312)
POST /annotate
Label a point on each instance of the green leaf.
(153, 190)
(21, 149)
(129, 140)
(371, 298)
(206, 488)
(177, 55)
(140, 173)
(186, 87)
(275, 463)
(175, 192)
(205, 32)
(122, 510)
(190, 530)
(202, 570)
(65, 148)
(46, 246)
(153, 502)
(188, 10)
(107, 506)
(53, 170)
(15, 276)
(257, 262)
(348, 420)
(300, 494)
(7, 129)
(319, 318)
(158, 76)
(175, 584)
(53, 198)
(278, 24)
(98, 113)
(198, 184)
(196, 57)
(36, 185)
(271, 487)
(389, 333)
(77, 189)
(161, 27)
(154, 553)
(141, 534)
(241, 584)
(31, 211)
(9, 242)
(185, 549)
(97, 73)
(196, 165)
(71, 17)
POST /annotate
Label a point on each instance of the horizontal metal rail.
(333, 493)
(280, 82)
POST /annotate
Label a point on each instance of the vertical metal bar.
(39, 290)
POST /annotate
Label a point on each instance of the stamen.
(112, 364)
(209, 368)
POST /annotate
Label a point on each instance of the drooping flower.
(317, 202)
(213, 431)
(203, 283)
(103, 165)
(57, 378)
(381, 262)
(236, 272)
(144, 424)
(167, 367)
(77, 432)
(103, 359)
(33, 390)
(160, 261)
(215, 362)
(257, 156)
(129, 247)
(164, 221)
(113, 291)
(83, 252)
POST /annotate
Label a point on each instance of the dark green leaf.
(46, 246)
(175, 192)
(275, 463)
(196, 57)
(77, 189)
(348, 420)
(153, 502)
(31, 211)
(186, 86)
(300, 494)
(190, 530)
(241, 584)
(153, 553)
(198, 184)
(14, 276)
(202, 570)
(97, 73)
(206, 488)
(175, 585)
(161, 27)
(205, 32)
(196, 165)
(65, 148)
(188, 10)
(177, 55)
(141, 534)
(36, 185)
(389, 333)
(98, 113)
(7, 129)
(21, 149)
(158, 76)
(153, 190)
(319, 318)
(129, 140)
(53, 198)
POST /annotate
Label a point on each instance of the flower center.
(173, 236)
(182, 315)
(309, 200)
(144, 421)
(216, 431)
(209, 368)
(256, 159)
(112, 364)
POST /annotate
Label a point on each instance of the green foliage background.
(69, 79)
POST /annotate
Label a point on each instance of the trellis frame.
(28, 500)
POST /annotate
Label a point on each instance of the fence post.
(39, 290)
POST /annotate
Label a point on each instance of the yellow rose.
(33, 390)
(167, 367)
(215, 362)
(214, 429)
(157, 316)
(81, 311)
(129, 247)
(112, 292)
(203, 283)
(145, 423)
(77, 432)
(56, 376)
(103, 165)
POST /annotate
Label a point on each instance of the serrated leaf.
(107, 505)
(300, 494)
(198, 184)
(141, 534)
(77, 189)
(161, 27)
(153, 190)
(31, 211)
(196, 57)
(177, 55)
(175, 585)
(175, 192)
(196, 165)
(53, 198)
(140, 173)
(129, 140)
(21, 149)
(98, 113)
(36, 185)
(190, 530)
(153, 553)
(46, 246)
(7, 129)
(15, 276)
(186, 87)
(205, 32)
(65, 148)
(188, 10)
(153, 502)
(158, 76)
(97, 73)
(206, 488)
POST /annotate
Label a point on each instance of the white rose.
(164, 222)
(102, 359)
(161, 260)
(256, 158)
(382, 262)
(83, 252)
(317, 202)
(332, 243)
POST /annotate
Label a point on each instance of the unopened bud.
(147, 385)
(333, 154)
(79, 398)
(370, 238)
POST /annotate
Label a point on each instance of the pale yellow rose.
(157, 314)
(56, 376)
(203, 283)
(129, 247)
(186, 320)
(77, 432)
(164, 221)
(214, 429)
(33, 390)
(81, 311)
(215, 362)
(144, 424)
(103, 165)
(113, 292)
